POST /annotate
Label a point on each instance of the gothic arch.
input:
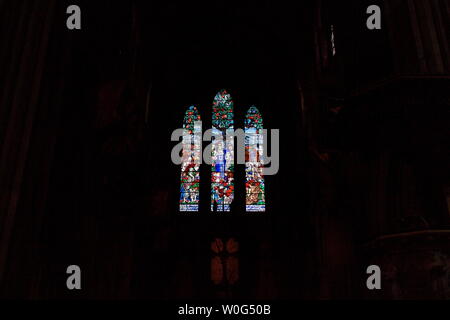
(222, 153)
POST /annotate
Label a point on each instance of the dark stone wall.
(85, 124)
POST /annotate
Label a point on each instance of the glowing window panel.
(333, 45)
(190, 167)
(254, 174)
(222, 153)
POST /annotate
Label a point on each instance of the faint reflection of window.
(224, 262)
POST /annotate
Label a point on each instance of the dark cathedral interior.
(86, 176)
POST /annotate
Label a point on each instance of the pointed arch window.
(222, 153)
(190, 167)
(254, 166)
(222, 158)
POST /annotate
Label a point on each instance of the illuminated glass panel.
(255, 187)
(190, 167)
(333, 45)
(222, 153)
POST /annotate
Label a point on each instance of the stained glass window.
(255, 188)
(222, 179)
(190, 167)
